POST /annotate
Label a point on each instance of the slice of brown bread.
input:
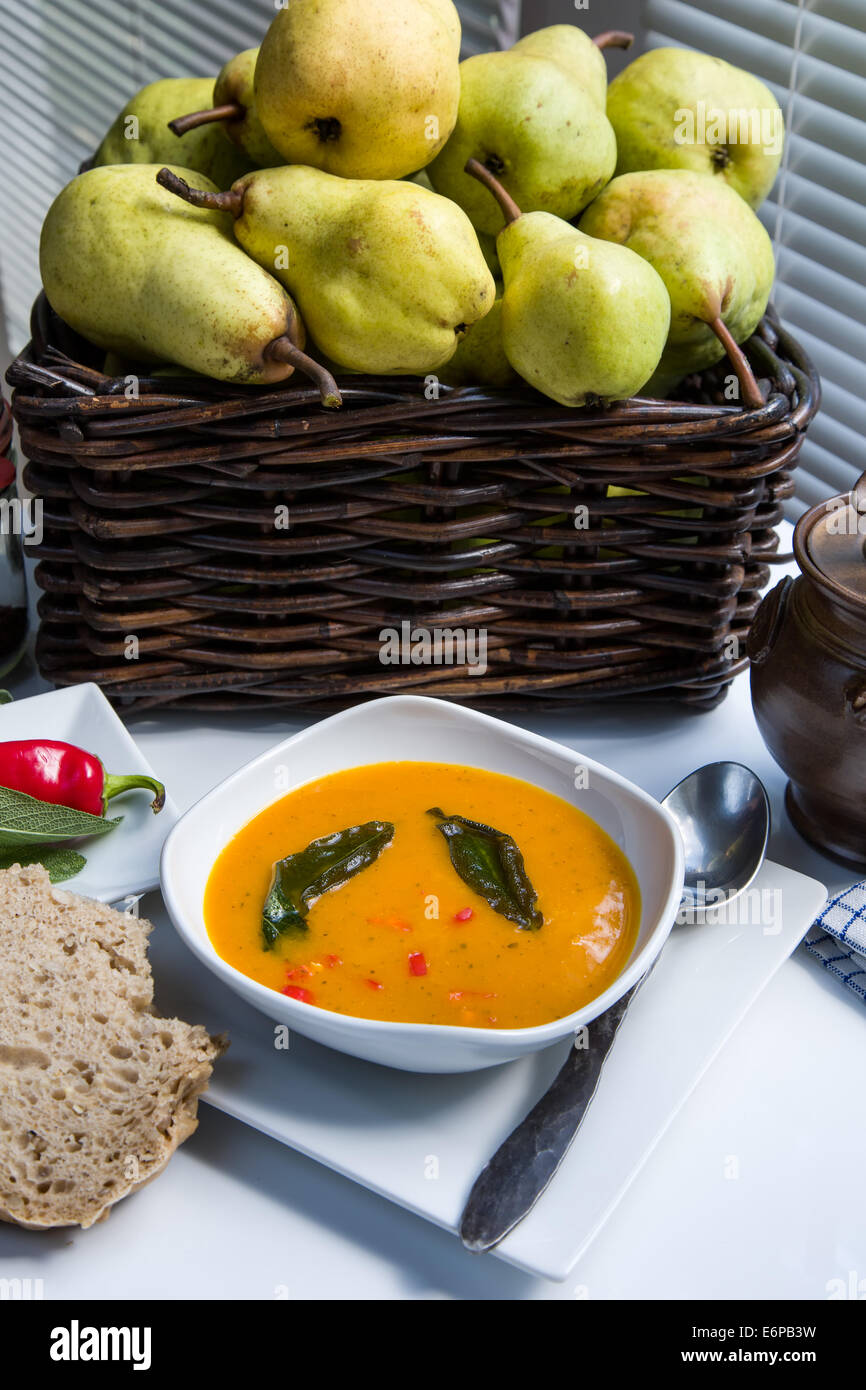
(96, 1091)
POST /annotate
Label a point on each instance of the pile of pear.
(351, 198)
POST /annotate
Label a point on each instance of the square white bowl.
(417, 728)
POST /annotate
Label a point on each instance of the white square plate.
(126, 861)
(421, 1140)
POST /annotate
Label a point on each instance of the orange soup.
(406, 938)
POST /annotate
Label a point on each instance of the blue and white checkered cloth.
(838, 938)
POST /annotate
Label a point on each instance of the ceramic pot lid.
(836, 542)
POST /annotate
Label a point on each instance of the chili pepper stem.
(115, 785)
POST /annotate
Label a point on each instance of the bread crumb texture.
(96, 1090)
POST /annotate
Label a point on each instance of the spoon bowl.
(723, 815)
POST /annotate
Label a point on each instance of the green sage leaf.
(62, 864)
(24, 820)
(324, 865)
(490, 863)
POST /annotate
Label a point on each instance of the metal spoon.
(723, 816)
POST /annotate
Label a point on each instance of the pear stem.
(232, 201)
(614, 38)
(284, 350)
(740, 363)
(231, 111)
(510, 210)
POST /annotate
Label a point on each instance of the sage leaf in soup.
(26, 821)
(61, 863)
(490, 863)
(324, 865)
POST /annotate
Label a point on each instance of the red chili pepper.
(67, 776)
(464, 914)
(295, 992)
(373, 984)
(332, 961)
(417, 963)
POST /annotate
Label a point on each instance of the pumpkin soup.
(426, 893)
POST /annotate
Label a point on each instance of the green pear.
(710, 249)
(577, 53)
(387, 275)
(485, 240)
(583, 321)
(232, 105)
(363, 88)
(140, 134)
(141, 274)
(114, 366)
(488, 251)
(676, 109)
(529, 120)
(480, 357)
(235, 85)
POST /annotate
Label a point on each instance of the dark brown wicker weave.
(159, 524)
(5, 428)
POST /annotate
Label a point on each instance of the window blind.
(67, 68)
(812, 56)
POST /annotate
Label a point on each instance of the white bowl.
(416, 728)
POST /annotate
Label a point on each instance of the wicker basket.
(5, 429)
(477, 511)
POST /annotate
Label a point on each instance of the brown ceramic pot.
(807, 648)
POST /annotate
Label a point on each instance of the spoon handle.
(510, 1184)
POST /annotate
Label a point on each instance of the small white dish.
(426, 730)
(124, 862)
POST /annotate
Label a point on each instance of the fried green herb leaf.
(62, 864)
(491, 864)
(26, 821)
(324, 865)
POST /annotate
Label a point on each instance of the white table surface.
(237, 1215)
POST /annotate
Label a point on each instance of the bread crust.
(96, 1089)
